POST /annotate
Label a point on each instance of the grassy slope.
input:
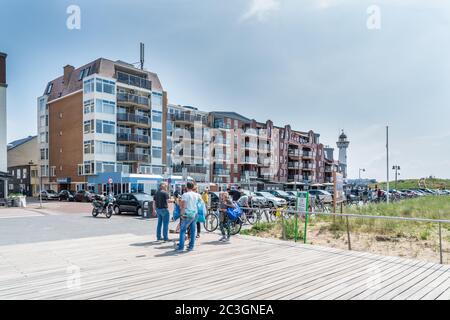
(414, 183)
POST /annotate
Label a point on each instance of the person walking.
(205, 198)
(161, 201)
(189, 213)
(224, 222)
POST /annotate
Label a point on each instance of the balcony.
(133, 80)
(133, 119)
(190, 169)
(133, 157)
(251, 146)
(328, 169)
(249, 160)
(295, 178)
(264, 161)
(220, 158)
(294, 154)
(221, 172)
(294, 165)
(133, 100)
(251, 174)
(223, 142)
(251, 132)
(308, 154)
(187, 118)
(308, 166)
(132, 138)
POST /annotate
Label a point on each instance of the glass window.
(107, 127)
(89, 126)
(18, 173)
(105, 106)
(157, 116)
(42, 121)
(88, 106)
(89, 147)
(49, 88)
(105, 86)
(157, 99)
(89, 86)
(157, 152)
(157, 134)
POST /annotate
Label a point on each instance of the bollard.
(348, 234)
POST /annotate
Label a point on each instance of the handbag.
(201, 210)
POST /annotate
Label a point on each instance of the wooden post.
(348, 235)
(440, 243)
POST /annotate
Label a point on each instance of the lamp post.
(396, 168)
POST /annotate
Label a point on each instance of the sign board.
(110, 181)
(302, 201)
(338, 189)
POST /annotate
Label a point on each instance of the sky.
(321, 65)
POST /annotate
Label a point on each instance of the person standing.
(224, 222)
(205, 198)
(189, 214)
(161, 201)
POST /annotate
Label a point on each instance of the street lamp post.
(397, 169)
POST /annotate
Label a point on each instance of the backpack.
(234, 214)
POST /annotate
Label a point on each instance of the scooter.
(100, 208)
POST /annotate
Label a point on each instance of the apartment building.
(23, 162)
(100, 123)
(3, 154)
(188, 142)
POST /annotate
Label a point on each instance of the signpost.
(338, 188)
(302, 206)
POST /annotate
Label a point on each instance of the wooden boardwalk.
(136, 267)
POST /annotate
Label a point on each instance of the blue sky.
(311, 63)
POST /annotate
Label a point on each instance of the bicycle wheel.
(251, 217)
(235, 227)
(211, 222)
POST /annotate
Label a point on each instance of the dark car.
(132, 202)
(66, 195)
(84, 196)
(283, 195)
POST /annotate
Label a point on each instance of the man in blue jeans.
(188, 214)
(161, 201)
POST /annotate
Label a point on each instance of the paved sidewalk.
(127, 266)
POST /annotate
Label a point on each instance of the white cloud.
(260, 9)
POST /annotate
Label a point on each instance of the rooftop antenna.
(142, 55)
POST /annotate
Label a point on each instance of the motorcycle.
(101, 207)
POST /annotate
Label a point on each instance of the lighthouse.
(342, 144)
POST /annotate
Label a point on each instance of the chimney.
(3, 69)
(67, 73)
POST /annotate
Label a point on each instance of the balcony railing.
(251, 174)
(133, 157)
(221, 158)
(250, 160)
(251, 132)
(307, 154)
(134, 99)
(308, 166)
(190, 169)
(133, 80)
(294, 165)
(294, 153)
(185, 117)
(129, 137)
(253, 146)
(221, 172)
(133, 118)
(222, 141)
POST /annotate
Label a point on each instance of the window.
(42, 121)
(157, 99)
(157, 134)
(105, 147)
(89, 147)
(89, 126)
(18, 173)
(84, 73)
(42, 137)
(157, 152)
(88, 106)
(105, 86)
(106, 127)
(44, 154)
(157, 116)
(105, 106)
(89, 86)
(89, 167)
(49, 88)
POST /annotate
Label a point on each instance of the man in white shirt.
(189, 214)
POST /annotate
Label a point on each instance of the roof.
(20, 142)
(102, 67)
(232, 115)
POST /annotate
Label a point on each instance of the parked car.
(84, 196)
(66, 195)
(271, 200)
(256, 201)
(323, 195)
(132, 202)
(283, 195)
(49, 195)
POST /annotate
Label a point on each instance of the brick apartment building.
(105, 120)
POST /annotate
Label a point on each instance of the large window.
(89, 86)
(157, 152)
(106, 127)
(157, 134)
(105, 106)
(105, 167)
(88, 106)
(89, 126)
(105, 86)
(156, 99)
(157, 116)
(105, 147)
(89, 147)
